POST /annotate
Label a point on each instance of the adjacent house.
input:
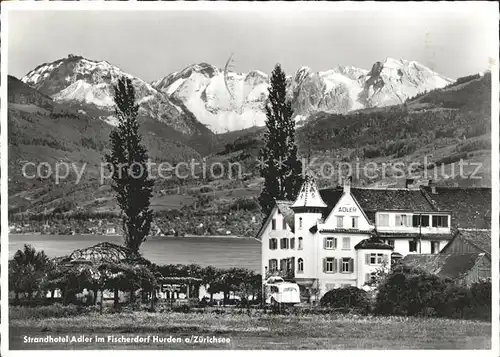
(469, 240)
(464, 268)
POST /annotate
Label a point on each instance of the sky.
(152, 44)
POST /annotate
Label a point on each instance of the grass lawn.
(255, 332)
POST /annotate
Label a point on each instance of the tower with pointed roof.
(308, 209)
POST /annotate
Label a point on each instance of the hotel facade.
(344, 236)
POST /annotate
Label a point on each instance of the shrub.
(51, 311)
(411, 293)
(182, 308)
(350, 297)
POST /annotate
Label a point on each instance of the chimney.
(409, 182)
(347, 184)
(432, 185)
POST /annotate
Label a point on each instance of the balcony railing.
(285, 274)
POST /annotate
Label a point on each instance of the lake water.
(220, 252)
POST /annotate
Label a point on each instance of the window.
(273, 243)
(284, 243)
(402, 220)
(273, 264)
(412, 246)
(383, 220)
(347, 265)
(330, 243)
(434, 247)
(375, 258)
(440, 221)
(340, 221)
(292, 243)
(301, 246)
(300, 265)
(346, 243)
(330, 265)
(391, 242)
(354, 222)
(420, 220)
(284, 224)
(273, 224)
(300, 223)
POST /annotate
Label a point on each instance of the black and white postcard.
(241, 176)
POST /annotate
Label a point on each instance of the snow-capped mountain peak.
(76, 79)
(227, 101)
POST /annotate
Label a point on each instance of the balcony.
(285, 274)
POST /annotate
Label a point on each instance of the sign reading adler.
(347, 209)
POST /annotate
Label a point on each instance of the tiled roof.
(481, 238)
(308, 195)
(372, 243)
(452, 266)
(288, 215)
(387, 199)
(331, 196)
(470, 206)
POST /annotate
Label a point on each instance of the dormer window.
(273, 224)
(284, 225)
(440, 221)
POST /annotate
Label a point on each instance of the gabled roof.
(284, 207)
(479, 238)
(470, 206)
(451, 266)
(309, 195)
(372, 200)
(373, 243)
(331, 197)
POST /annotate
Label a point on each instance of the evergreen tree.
(280, 167)
(129, 170)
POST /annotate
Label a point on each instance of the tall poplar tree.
(128, 161)
(280, 167)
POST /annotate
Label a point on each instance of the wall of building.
(482, 270)
(402, 245)
(267, 234)
(364, 269)
(347, 208)
(392, 227)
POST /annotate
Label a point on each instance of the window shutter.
(367, 259)
(367, 277)
(271, 243)
(324, 265)
(386, 258)
(335, 243)
(334, 265)
(340, 264)
(351, 265)
(324, 243)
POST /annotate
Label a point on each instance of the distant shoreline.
(116, 235)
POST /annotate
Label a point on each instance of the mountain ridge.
(227, 100)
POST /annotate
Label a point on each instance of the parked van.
(278, 291)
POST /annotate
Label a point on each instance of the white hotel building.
(340, 237)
